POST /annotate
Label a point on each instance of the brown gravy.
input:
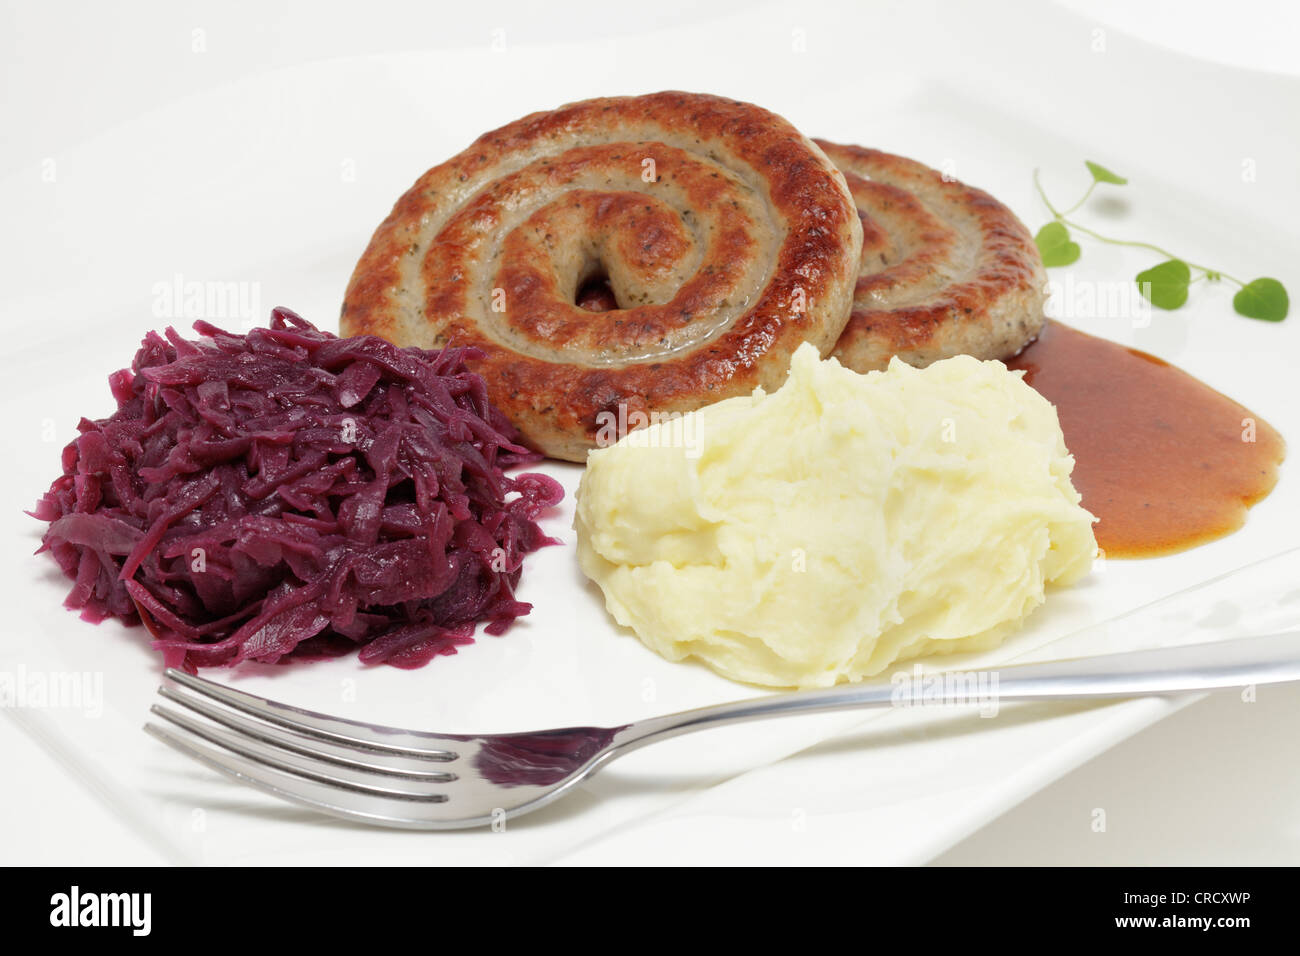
(1163, 460)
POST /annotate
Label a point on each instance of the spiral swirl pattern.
(946, 269)
(726, 238)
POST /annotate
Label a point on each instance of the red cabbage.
(290, 493)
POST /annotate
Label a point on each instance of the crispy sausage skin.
(727, 238)
(946, 269)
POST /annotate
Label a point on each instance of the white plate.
(275, 182)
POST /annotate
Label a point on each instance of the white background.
(1214, 783)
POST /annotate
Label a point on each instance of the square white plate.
(274, 184)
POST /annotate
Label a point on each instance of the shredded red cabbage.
(288, 492)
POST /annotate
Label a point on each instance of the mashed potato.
(844, 522)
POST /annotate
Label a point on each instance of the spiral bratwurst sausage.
(726, 236)
(946, 268)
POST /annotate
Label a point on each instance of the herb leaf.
(1103, 175)
(1262, 299)
(1165, 285)
(1055, 246)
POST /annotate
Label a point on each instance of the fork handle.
(1271, 659)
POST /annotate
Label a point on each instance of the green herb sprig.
(1165, 284)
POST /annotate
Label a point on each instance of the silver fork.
(425, 781)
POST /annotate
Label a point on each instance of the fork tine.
(306, 745)
(310, 723)
(378, 775)
(305, 766)
(328, 798)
